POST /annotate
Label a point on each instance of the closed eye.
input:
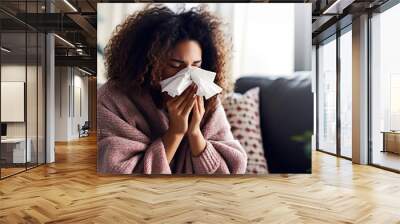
(197, 64)
(176, 63)
(174, 66)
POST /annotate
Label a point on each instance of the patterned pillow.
(243, 115)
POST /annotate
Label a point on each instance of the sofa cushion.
(286, 110)
(242, 111)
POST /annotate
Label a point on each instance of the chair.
(84, 130)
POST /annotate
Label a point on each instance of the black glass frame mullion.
(73, 91)
(316, 97)
(338, 76)
(45, 87)
(1, 166)
(26, 87)
(369, 91)
(37, 90)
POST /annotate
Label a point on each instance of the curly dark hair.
(138, 49)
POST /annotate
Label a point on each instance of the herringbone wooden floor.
(70, 191)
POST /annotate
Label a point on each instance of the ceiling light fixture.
(70, 5)
(84, 71)
(5, 50)
(64, 40)
(337, 7)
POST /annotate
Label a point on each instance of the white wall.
(70, 83)
(302, 37)
(79, 117)
(12, 100)
(61, 103)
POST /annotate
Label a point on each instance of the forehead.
(189, 50)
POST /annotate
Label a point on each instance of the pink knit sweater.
(129, 139)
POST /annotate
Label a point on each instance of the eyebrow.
(180, 61)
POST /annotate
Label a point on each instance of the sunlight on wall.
(263, 39)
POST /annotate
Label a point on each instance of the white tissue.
(204, 80)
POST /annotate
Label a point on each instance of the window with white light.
(346, 94)
(385, 88)
(327, 96)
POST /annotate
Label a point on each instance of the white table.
(16, 147)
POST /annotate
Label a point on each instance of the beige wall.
(71, 102)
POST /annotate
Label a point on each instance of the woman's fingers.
(201, 105)
(188, 91)
(188, 101)
(196, 105)
(177, 100)
(187, 96)
(188, 107)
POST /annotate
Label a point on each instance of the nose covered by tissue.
(204, 80)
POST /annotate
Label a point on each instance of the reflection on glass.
(327, 97)
(14, 153)
(41, 99)
(22, 92)
(346, 94)
(385, 89)
(31, 100)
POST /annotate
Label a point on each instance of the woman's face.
(186, 53)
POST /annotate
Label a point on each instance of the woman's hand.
(197, 115)
(179, 109)
(196, 139)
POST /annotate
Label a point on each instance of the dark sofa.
(286, 110)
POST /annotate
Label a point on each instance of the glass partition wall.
(334, 83)
(345, 62)
(334, 95)
(385, 89)
(22, 77)
(327, 95)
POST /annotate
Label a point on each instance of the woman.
(140, 129)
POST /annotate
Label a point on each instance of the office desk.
(391, 141)
(13, 150)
